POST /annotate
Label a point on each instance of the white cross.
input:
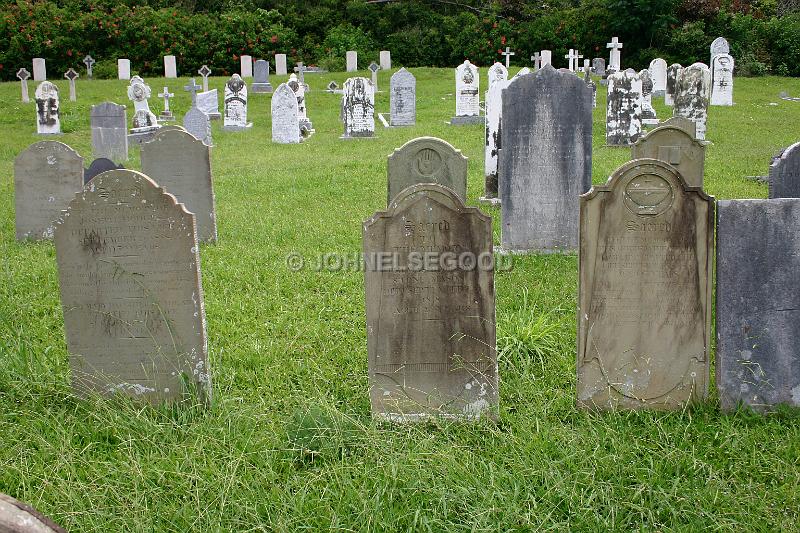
(192, 87)
(615, 44)
(508, 53)
(166, 95)
(572, 56)
(537, 60)
(614, 57)
(578, 57)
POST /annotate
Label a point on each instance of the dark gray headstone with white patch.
(673, 71)
(109, 122)
(624, 108)
(692, 91)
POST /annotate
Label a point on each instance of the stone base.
(261, 87)
(468, 120)
(238, 128)
(659, 93)
(505, 251)
(650, 122)
(166, 118)
(350, 137)
(490, 201)
(214, 116)
(49, 133)
(137, 136)
(760, 179)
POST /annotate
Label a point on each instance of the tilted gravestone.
(48, 109)
(97, 167)
(467, 95)
(261, 82)
(658, 73)
(624, 108)
(784, 174)
(492, 138)
(358, 108)
(402, 99)
(758, 303)
(236, 105)
(692, 90)
(47, 175)
(722, 80)
(430, 323)
(129, 272)
(675, 146)
(426, 160)
(109, 122)
(546, 160)
(285, 121)
(673, 71)
(644, 290)
(181, 164)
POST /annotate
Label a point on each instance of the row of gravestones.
(357, 111)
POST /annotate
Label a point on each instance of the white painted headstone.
(547, 58)
(494, 111)
(658, 73)
(352, 60)
(48, 121)
(143, 119)
(624, 108)
(358, 108)
(280, 65)
(722, 80)
(497, 72)
(246, 67)
(614, 57)
(719, 46)
(123, 69)
(467, 91)
(236, 105)
(170, 67)
(299, 90)
(386, 59)
(39, 69)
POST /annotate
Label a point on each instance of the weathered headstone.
(374, 68)
(758, 303)
(497, 72)
(722, 80)
(644, 296)
(648, 113)
(676, 146)
(198, 124)
(673, 72)
(624, 108)
(547, 58)
(166, 115)
(280, 65)
(784, 174)
(129, 272)
(47, 175)
(19, 517)
(97, 167)
(246, 66)
(299, 89)
(599, 66)
(467, 95)
(181, 163)
(285, 117)
(426, 160)
(718, 46)
(109, 123)
(144, 121)
(590, 83)
(39, 69)
(204, 72)
(351, 58)
(402, 98)
(123, 69)
(614, 61)
(545, 161)
(492, 139)
(522, 72)
(170, 67)
(23, 75)
(386, 59)
(358, 108)
(261, 82)
(89, 62)
(692, 90)
(208, 103)
(48, 114)
(71, 75)
(658, 73)
(431, 331)
(236, 105)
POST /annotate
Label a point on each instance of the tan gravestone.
(180, 163)
(426, 160)
(676, 146)
(129, 271)
(19, 517)
(644, 314)
(430, 308)
(47, 175)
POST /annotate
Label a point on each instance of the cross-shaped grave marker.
(508, 53)
(205, 72)
(614, 59)
(166, 95)
(89, 62)
(71, 75)
(374, 68)
(192, 87)
(572, 56)
(578, 57)
(332, 86)
(23, 76)
(537, 60)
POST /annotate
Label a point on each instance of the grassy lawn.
(289, 361)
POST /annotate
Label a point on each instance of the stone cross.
(23, 76)
(572, 56)
(508, 53)
(537, 60)
(166, 95)
(578, 57)
(374, 68)
(71, 75)
(192, 87)
(205, 72)
(89, 62)
(614, 58)
(301, 69)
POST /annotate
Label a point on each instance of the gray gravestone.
(208, 103)
(648, 113)
(623, 108)
(109, 123)
(71, 75)
(285, 119)
(493, 111)
(599, 66)
(47, 175)
(644, 290)
(48, 109)
(129, 272)
(166, 115)
(374, 68)
(692, 90)
(98, 166)
(204, 72)
(261, 82)
(402, 98)
(198, 124)
(758, 303)
(19, 517)
(358, 108)
(673, 71)
(675, 146)
(23, 75)
(89, 62)
(426, 160)
(181, 163)
(546, 160)
(430, 332)
(784, 174)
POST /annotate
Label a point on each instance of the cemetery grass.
(288, 443)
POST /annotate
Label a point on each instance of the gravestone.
(129, 272)
(23, 75)
(492, 139)
(261, 82)
(89, 62)
(208, 103)
(48, 109)
(351, 58)
(299, 89)
(98, 166)
(522, 72)
(467, 95)
(246, 66)
(236, 105)
(624, 108)
(358, 108)
(374, 68)
(676, 146)
(402, 98)
(204, 72)
(758, 303)
(39, 69)
(718, 46)
(536, 58)
(123, 69)
(614, 60)
(47, 175)
(431, 334)
(170, 67)
(722, 80)
(644, 290)
(658, 73)
(333, 88)
(386, 59)
(109, 123)
(784, 174)
(673, 71)
(198, 124)
(181, 163)
(547, 58)
(280, 65)
(572, 57)
(692, 90)
(71, 75)
(683, 123)
(166, 115)
(546, 160)
(285, 117)
(19, 517)
(587, 78)
(497, 72)
(648, 113)
(599, 66)
(426, 160)
(144, 121)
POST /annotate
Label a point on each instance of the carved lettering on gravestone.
(467, 90)
(677, 147)
(645, 280)
(784, 174)
(358, 108)
(623, 108)
(181, 163)
(285, 121)
(546, 160)
(402, 98)
(722, 80)
(692, 90)
(430, 331)
(48, 109)
(129, 272)
(109, 123)
(426, 160)
(46, 176)
(492, 137)
(497, 72)
(673, 72)
(236, 105)
(758, 303)
(648, 113)
(658, 73)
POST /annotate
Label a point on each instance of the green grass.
(288, 444)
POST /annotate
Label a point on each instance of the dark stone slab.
(98, 166)
(784, 173)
